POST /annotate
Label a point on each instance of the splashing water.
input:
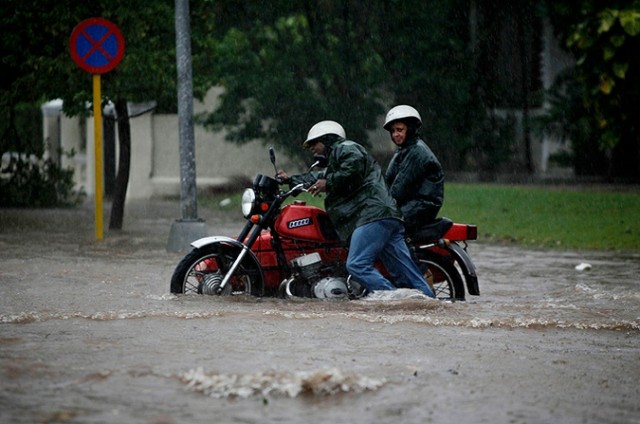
(272, 383)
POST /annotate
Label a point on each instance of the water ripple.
(373, 317)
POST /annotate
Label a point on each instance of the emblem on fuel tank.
(299, 223)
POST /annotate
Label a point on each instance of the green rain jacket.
(356, 191)
(416, 182)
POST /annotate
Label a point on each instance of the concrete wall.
(155, 158)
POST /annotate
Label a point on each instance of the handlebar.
(294, 191)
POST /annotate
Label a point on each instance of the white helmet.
(401, 112)
(323, 128)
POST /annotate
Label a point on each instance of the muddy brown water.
(90, 334)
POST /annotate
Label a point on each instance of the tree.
(293, 64)
(426, 49)
(605, 39)
(286, 67)
(32, 181)
(37, 67)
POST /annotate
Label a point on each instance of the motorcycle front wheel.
(442, 276)
(202, 271)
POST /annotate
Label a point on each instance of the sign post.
(97, 46)
(97, 157)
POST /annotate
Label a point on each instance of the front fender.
(216, 239)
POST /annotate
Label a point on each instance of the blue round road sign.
(96, 45)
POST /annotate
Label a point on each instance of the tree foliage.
(35, 182)
(37, 67)
(605, 84)
(283, 67)
(429, 64)
(292, 65)
(286, 65)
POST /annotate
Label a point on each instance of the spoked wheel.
(442, 275)
(202, 271)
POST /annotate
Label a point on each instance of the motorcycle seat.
(432, 231)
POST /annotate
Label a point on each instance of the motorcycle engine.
(331, 288)
(308, 266)
(307, 280)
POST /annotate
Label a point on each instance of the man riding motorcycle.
(361, 210)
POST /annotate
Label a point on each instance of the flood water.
(90, 333)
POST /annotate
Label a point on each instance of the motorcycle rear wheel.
(209, 265)
(442, 275)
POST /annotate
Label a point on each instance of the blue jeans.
(383, 240)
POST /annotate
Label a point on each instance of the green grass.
(550, 217)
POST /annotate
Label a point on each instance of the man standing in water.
(362, 211)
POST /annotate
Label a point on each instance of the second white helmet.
(323, 128)
(401, 112)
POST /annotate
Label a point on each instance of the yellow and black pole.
(97, 46)
(97, 153)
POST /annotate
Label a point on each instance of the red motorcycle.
(292, 250)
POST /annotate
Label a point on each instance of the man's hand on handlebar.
(282, 177)
(317, 187)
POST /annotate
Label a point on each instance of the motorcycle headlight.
(248, 202)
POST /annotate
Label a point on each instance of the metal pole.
(190, 227)
(188, 202)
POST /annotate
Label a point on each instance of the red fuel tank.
(302, 222)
